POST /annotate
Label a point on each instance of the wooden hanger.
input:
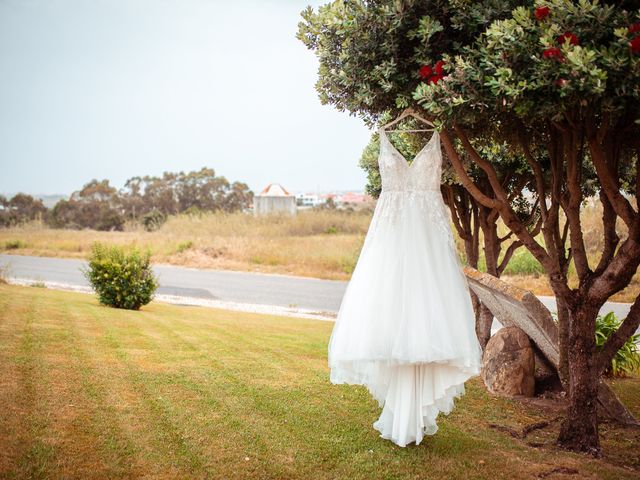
(409, 112)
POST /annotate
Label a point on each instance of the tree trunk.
(484, 320)
(563, 342)
(579, 430)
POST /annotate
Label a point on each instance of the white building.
(274, 199)
(308, 200)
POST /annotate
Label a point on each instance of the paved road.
(237, 287)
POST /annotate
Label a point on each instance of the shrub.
(153, 220)
(121, 279)
(14, 244)
(628, 357)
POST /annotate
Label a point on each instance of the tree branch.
(507, 255)
(611, 238)
(556, 275)
(609, 183)
(572, 208)
(463, 176)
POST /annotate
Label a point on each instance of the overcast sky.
(118, 88)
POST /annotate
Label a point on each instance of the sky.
(119, 88)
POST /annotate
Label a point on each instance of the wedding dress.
(405, 328)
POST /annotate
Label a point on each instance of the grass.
(321, 244)
(186, 392)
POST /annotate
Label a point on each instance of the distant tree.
(21, 208)
(238, 197)
(95, 206)
(149, 200)
(174, 193)
(131, 198)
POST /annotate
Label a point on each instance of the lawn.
(187, 392)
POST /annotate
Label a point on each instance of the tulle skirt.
(405, 328)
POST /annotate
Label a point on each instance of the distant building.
(274, 199)
(353, 199)
(308, 200)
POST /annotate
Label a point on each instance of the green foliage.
(523, 263)
(627, 359)
(505, 72)
(121, 279)
(370, 51)
(184, 246)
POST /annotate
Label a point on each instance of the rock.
(508, 363)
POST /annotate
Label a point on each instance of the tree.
(178, 192)
(373, 54)
(558, 83)
(95, 206)
(20, 208)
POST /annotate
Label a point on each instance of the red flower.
(561, 82)
(634, 45)
(438, 67)
(635, 28)
(425, 72)
(573, 40)
(542, 12)
(435, 79)
(553, 53)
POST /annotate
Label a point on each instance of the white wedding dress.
(405, 328)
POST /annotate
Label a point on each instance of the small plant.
(331, 231)
(523, 263)
(121, 279)
(39, 285)
(184, 246)
(14, 244)
(628, 357)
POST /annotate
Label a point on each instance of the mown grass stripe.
(185, 381)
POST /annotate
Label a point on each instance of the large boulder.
(508, 363)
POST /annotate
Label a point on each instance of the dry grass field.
(90, 392)
(321, 244)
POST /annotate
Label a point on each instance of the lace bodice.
(423, 173)
(414, 187)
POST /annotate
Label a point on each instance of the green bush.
(628, 357)
(121, 279)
